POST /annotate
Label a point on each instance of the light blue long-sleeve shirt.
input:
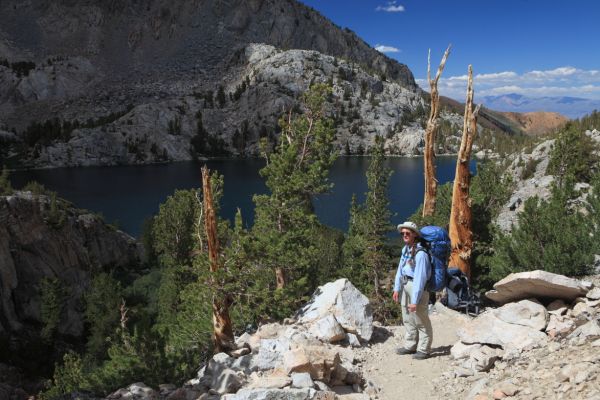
(420, 272)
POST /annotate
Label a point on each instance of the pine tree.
(353, 249)
(367, 251)
(52, 302)
(173, 227)
(551, 235)
(377, 217)
(102, 313)
(573, 154)
(295, 172)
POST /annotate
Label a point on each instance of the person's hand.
(395, 296)
(412, 308)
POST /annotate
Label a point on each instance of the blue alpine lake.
(127, 195)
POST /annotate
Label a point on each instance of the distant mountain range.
(572, 107)
(536, 123)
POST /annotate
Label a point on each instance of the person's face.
(408, 236)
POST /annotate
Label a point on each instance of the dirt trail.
(402, 377)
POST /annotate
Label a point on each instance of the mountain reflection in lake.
(130, 194)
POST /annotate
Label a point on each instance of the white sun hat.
(409, 225)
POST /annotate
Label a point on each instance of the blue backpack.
(437, 245)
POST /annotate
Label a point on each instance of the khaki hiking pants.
(419, 333)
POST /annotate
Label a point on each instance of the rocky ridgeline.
(89, 61)
(263, 83)
(537, 181)
(541, 343)
(308, 357)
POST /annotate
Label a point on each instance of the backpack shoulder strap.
(426, 250)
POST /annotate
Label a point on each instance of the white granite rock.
(302, 380)
(353, 340)
(593, 294)
(460, 350)
(271, 394)
(274, 380)
(525, 312)
(327, 329)
(590, 331)
(560, 326)
(489, 329)
(537, 284)
(347, 304)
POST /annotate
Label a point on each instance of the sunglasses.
(406, 233)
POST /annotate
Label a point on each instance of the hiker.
(413, 273)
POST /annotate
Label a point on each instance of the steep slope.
(260, 83)
(177, 36)
(119, 82)
(46, 239)
(537, 123)
(77, 45)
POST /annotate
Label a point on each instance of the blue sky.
(532, 47)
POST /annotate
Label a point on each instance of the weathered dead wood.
(430, 132)
(222, 330)
(461, 235)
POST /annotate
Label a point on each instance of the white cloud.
(391, 6)
(498, 76)
(553, 73)
(561, 81)
(386, 49)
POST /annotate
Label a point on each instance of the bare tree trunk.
(430, 131)
(222, 331)
(461, 235)
(280, 277)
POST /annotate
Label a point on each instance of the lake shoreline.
(209, 159)
(130, 194)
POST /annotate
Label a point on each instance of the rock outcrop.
(42, 237)
(168, 129)
(288, 361)
(186, 71)
(529, 173)
(339, 302)
(538, 284)
(529, 350)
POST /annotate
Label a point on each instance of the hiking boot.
(420, 356)
(403, 351)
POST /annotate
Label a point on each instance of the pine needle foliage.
(573, 155)
(5, 186)
(552, 235)
(377, 217)
(368, 254)
(53, 296)
(296, 171)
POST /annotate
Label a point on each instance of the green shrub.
(550, 236)
(52, 301)
(529, 168)
(68, 377)
(36, 188)
(573, 155)
(5, 186)
(102, 302)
